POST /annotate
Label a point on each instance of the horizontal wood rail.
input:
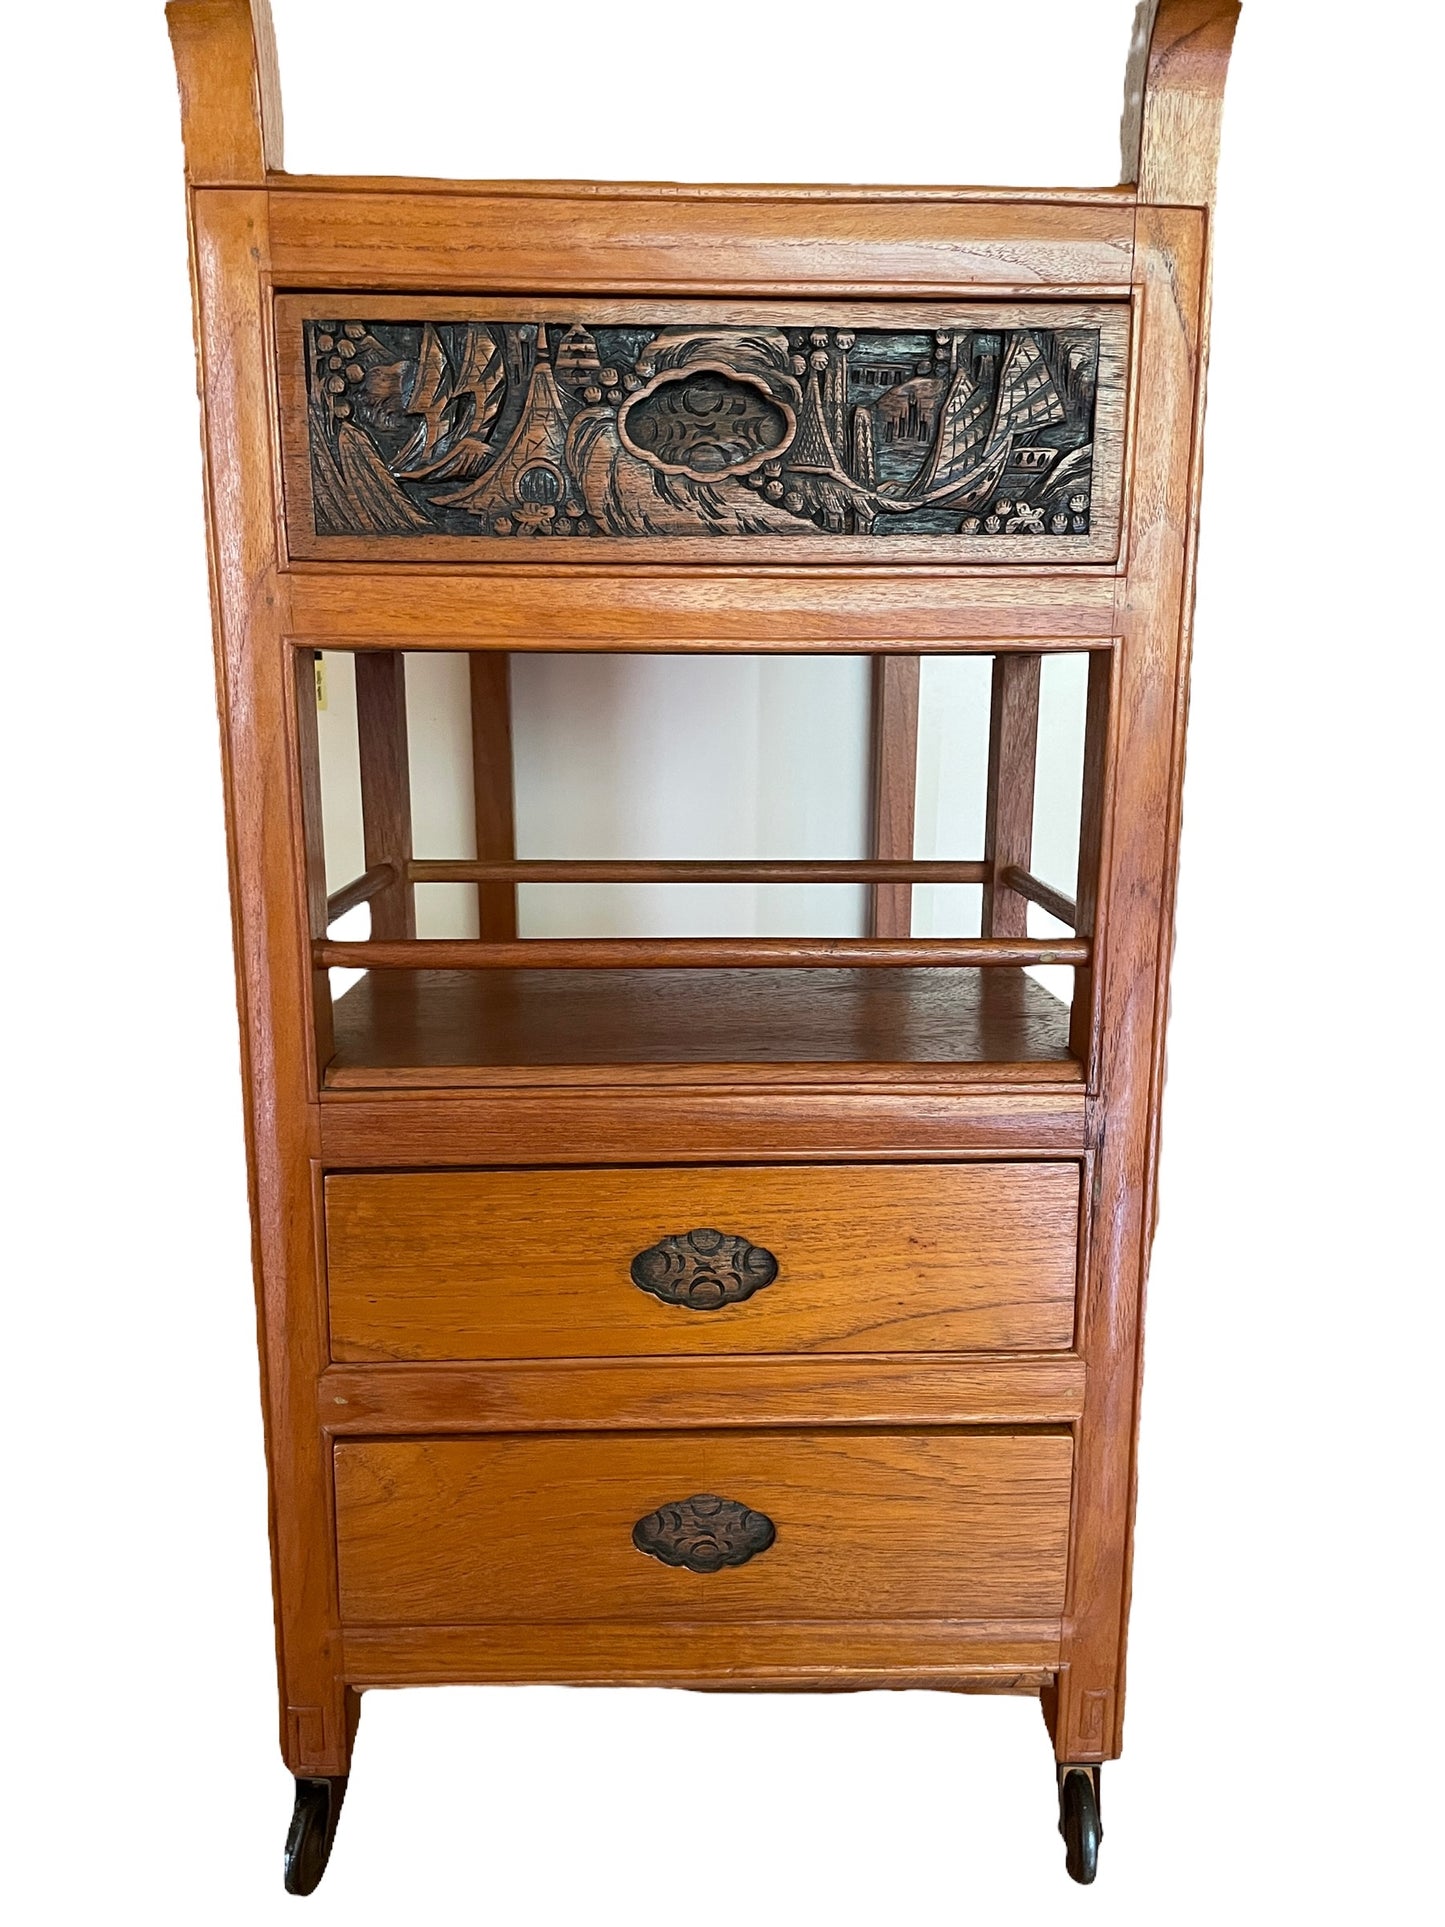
(750, 870)
(361, 889)
(698, 953)
(1025, 884)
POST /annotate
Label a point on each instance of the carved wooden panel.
(973, 433)
(704, 1533)
(703, 1269)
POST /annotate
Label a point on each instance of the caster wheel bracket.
(1079, 1821)
(312, 1830)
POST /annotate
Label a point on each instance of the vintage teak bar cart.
(745, 1310)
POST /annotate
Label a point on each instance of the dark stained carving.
(705, 423)
(704, 1533)
(703, 1269)
(507, 428)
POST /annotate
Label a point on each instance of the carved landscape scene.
(515, 429)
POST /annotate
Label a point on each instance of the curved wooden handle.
(703, 1270)
(704, 1533)
(1173, 99)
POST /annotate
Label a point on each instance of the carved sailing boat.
(452, 440)
(972, 447)
(427, 400)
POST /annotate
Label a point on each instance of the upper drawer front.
(415, 428)
(547, 1264)
(703, 1527)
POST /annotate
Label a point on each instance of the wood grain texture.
(1001, 1656)
(1137, 883)
(258, 703)
(1120, 196)
(689, 870)
(654, 1122)
(454, 1028)
(1034, 890)
(846, 243)
(493, 806)
(671, 1394)
(1100, 740)
(225, 55)
(529, 1264)
(386, 788)
(312, 855)
(1013, 734)
(794, 612)
(894, 727)
(360, 889)
(704, 953)
(1174, 99)
(923, 1525)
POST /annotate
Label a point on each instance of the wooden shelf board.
(456, 1027)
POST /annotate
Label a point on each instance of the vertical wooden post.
(1136, 887)
(895, 782)
(225, 54)
(230, 121)
(313, 854)
(1083, 1017)
(385, 784)
(492, 789)
(1013, 735)
(1174, 100)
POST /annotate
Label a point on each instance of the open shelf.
(450, 1028)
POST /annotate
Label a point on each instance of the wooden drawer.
(534, 1264)
(948, 1525)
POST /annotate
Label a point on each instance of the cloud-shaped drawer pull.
(703, 1270)
(704, 1533)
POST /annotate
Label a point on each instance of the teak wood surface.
(914, 1544)
(451, 1028)
(529, 1264)
(936, 1524)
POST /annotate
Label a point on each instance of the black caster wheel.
(1079, 1821)
(312, 1830)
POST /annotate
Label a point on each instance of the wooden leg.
(318, 1806)
(895, 781)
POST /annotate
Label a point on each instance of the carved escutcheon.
(704, 1533)
(705, 421)
(703, 1270)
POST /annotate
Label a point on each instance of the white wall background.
(1286, 1603)
(702, 756)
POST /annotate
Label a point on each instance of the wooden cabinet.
(720, 1304)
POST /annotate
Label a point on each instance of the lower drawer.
(699, 1527)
